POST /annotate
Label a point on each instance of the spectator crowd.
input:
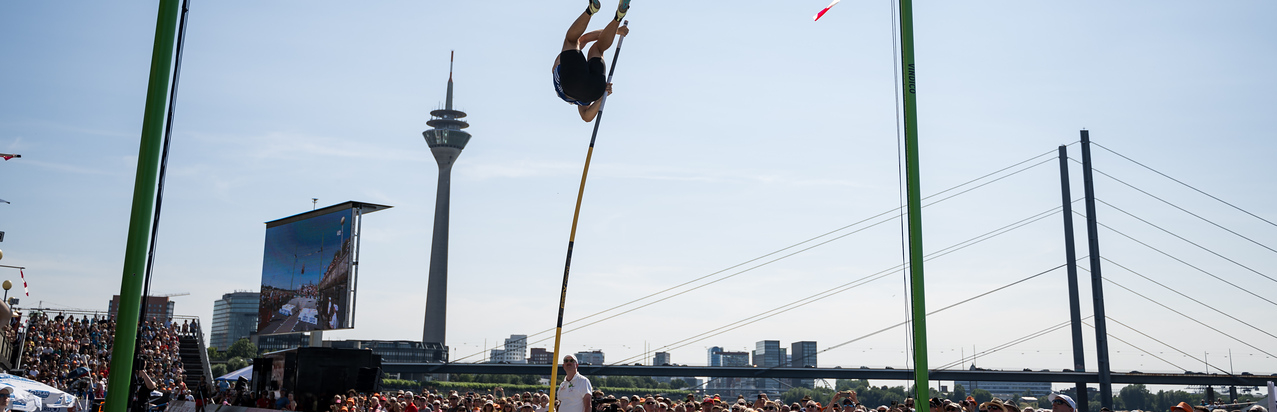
(74, 354)
(498, 401)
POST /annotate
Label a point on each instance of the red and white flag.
(824, 10)
(24, 282)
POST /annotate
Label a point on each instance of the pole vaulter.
(596, 113)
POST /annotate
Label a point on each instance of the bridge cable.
(1011, 343)
(1137, 347)
(1208, 326)
(1186, 240)
(1167, 345)
(1045, 332)
(1185, 184)
(1181, 208)
(1190, 298)
(847, 286)
(968, 190)
(890, 327)
(1182, 261)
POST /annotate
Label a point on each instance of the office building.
(589, 358)
(768, 354)
(540, 356)
(234, 318)
(159, 308)
(802, 355)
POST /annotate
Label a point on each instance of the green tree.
(853, 384)
(214, 355)
(236, 363)
(242, 348)
(959, 392)
(981, 395)
(1135, 397)
(882, 395)
(677, 384)
(218, 370)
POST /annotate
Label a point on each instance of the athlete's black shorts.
(582, 80)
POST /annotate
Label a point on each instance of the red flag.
(24, 279)
(7, 157)
(824, 10)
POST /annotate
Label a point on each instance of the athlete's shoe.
(595, 5)
(621, 9)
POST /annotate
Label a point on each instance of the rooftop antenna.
(314, 203)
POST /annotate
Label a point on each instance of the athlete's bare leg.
(604, 41)
(570, 42)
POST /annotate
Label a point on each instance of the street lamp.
(6, 285)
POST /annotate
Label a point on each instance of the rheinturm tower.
(446, 140)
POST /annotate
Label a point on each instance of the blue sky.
(737, 129)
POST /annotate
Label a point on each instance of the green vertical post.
(908, 85)
(144, 188)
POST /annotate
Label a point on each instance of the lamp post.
(6, 285)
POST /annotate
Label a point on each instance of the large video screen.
(307, 280)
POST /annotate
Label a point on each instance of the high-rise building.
(512, 351)
(661, 359)
(446, 140)
(729, 387)
(768, 354)
(540, 356)
(234, 318)
(802, 355)
(594, 357)
(159, 308)
(720, 357)
(515, 349)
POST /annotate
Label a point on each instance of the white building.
(515, 350)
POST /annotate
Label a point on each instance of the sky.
(737, 129)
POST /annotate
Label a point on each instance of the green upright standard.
(144, 188)
(909, 89)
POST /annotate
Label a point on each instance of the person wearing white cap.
(1062, 403)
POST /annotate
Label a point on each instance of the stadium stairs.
(195, 359)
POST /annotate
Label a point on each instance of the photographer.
(602, 404)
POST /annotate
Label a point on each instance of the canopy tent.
(29, 395)
(246, 373)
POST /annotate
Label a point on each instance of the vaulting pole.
(909, 88)
(567, 266)
(144, 189)
(1070, 257)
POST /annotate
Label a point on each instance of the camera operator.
(142, 397)
(604, 404)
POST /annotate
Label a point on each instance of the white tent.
(246, 373)
(20, 400)
(26, 391)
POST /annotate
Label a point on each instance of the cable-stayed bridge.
(1238, 273)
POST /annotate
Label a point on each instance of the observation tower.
(446, 140)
